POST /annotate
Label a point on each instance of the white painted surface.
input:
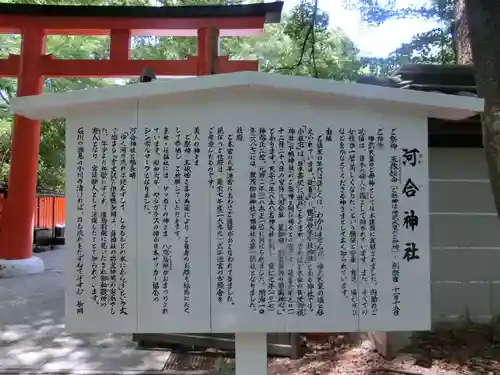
(436, 105)
(227, 317)
(264, 108)
(181, 303)
(242, 312)
(20, 267)
(114, 306)
(251, 353)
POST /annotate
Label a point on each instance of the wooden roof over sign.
(437, 105)
(447, 79)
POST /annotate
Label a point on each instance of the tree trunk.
(491, 141)
(483, 19)
(461, 34)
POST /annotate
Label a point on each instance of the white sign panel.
(393, 225)
(273, 264)
(174, 251)
(319, 228)
(249, 227)
(101, 222)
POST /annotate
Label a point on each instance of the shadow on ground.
(32, 334)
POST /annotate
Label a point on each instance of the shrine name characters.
(409, 158)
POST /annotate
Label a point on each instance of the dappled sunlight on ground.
(32, 334)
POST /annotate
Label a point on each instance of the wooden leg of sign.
(251, 353)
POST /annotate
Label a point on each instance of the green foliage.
(431, 47)
(330, 55)
(51, 173)
(376, 12)
(5, 140)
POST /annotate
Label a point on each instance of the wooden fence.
(50, 212)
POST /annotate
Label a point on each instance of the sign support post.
(251, 353)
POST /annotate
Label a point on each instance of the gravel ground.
(467, 350)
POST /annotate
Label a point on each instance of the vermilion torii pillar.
(34, 22)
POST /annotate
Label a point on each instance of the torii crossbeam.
(34, 22)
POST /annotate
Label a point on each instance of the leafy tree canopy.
(431, 47)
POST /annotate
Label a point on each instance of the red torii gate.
(34, 22)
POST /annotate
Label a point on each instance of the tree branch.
(4, 98)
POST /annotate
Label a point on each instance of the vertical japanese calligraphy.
(262, 219)
(372, 232)
(281, 222)
(314, 280)
(300, 203)
(410, 157)
(230, 221)
(112, 170)
(353, 220)
(395, 180)
(396, 279)
(364, 211)
(319, 255)
(221, 219)
(343, 212)
(101, 217)
(271, 246)
(187, 227)
(296, 181)
(174, 281)
(128, 172)
(166, 249)
(113, 216)
(221, 146)
(152, 200)
(282, 179)
(252, 245)
(187, 221)
(96, 134)
(80, 234)
(290, 233)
